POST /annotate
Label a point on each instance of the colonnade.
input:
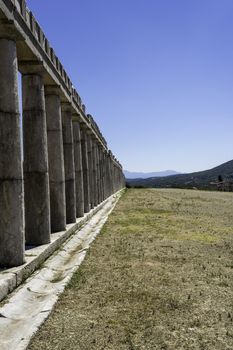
(53, 168)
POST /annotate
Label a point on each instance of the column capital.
(31, 67)
(66, 107)
(94, 139)
(52, 90)
(85, 127)
(76, 117)
(8, 30)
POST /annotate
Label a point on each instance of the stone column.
(11, 177)
(111, 173)
(56, 159)
(101, 174)
(95, 188)
(90, 173)
(86, 185)
(98, 174)
(114, 177)
(104, 175)
(108, 175)
(36, 181)
(78, 169)
(68, 145)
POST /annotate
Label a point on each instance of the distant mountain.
(138, 175)
(202, 180)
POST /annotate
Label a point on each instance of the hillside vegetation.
(202, 180)
(159, 276)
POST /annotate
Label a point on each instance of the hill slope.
(141, 175)
(200, 180)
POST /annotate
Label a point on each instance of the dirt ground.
(159, 276)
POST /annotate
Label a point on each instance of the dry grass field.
(159, 276)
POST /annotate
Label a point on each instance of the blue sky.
(157, 75)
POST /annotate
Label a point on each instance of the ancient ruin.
(64, 167)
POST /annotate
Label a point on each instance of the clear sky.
(157, 75)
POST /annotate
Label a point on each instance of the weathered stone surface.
(104, 174)
(95, 173)
(56, 160)
(68, 146)
(36, 180)
(78, 170)
(98, 174)
(86, 185)
(90, 172)
(11, 183)
(101, 175)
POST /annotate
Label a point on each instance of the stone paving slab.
(11, 278)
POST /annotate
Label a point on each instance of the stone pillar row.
(57, 174)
